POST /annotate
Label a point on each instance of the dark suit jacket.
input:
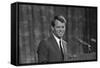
(48, 51)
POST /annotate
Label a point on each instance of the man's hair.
(60, 18)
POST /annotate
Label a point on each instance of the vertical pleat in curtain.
(76, 21)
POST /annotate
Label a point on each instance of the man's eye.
(58, 26)
(62, 26)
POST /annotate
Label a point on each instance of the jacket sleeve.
(42, 52)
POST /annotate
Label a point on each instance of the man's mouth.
(60, 33)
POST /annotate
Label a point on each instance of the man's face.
(59, 29)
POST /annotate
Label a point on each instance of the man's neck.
(57, 39)
(56, 36)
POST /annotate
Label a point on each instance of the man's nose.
(61, 30)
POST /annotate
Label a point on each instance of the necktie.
(61, 50)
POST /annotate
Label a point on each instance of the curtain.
(35, 24)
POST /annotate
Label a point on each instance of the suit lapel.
(65, 50)
(55, 45)
(54, 42)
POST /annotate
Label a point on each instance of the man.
(54, 48)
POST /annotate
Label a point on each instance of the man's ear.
(52, 28)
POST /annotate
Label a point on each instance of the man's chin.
(60, 36)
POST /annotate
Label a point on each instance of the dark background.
(34, 25)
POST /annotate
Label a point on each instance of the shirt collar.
(57, 39)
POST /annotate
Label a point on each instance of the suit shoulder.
(43, 42)
(42, 46)
(64, 42)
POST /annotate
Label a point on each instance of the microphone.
(85, 43)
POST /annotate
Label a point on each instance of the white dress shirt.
(57, 40)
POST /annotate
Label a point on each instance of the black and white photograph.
(44, 33)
